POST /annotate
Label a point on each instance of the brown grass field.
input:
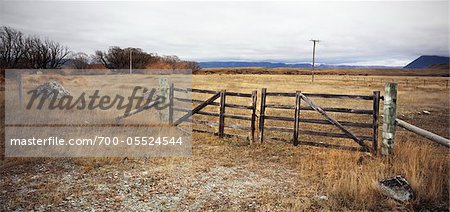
(328, 71)
(231, 174)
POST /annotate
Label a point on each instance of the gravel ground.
(201, 182)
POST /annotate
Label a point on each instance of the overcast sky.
(363, 33)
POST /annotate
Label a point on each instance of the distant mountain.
(234, 64)
(428, 61)
(241, 64)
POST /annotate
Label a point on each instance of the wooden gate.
(342, 126)
(249, 114)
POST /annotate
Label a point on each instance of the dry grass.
(327, 71)
(271, 176)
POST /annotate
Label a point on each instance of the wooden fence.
(312, 106)
(251, 98)
(222, 115)
(389, 119)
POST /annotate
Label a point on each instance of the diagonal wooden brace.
(333, 121)
(197, 109)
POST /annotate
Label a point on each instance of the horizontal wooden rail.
(281, 129)
(199, 112)
(318, 133)
(419, 131)
(216, 124)
(213, 103)
(225, 134)
(236, 94)
(321, 95)
(180, 90)
(344, 123)
(329, 109)
(186, 99)
(279, 118)
(195, 90)
(206, 113)
(319, 121)
(182, 109)
(331, 134)
(239, 106)
(286, 107)
(232, 116)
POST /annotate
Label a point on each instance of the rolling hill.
(245, 64)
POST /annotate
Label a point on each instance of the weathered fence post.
(171, 95)
(296, 117)
(262, 111)
(222, 113)
(252, 126)
(390, 114)
(376, 111)
(164, 94)
(20, 86)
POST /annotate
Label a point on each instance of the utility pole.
(314, 57)
(131, 61)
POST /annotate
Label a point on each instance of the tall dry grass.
(354, 185)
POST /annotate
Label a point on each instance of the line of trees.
(18, 51)
(119, 58)
(29, 52)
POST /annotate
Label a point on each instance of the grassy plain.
(232, 174)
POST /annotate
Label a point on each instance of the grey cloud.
(352, 32)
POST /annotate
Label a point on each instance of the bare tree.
(118, 58)
(36, 56)
(193, 66)
(18, 51)
(80, 60)
(44, 54)
(57, 53)
(172, 60)
(11, 47)
(140, 59)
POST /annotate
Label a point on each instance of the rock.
(321, 198)
(50, 88)
(397, 188)
(426, 112)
